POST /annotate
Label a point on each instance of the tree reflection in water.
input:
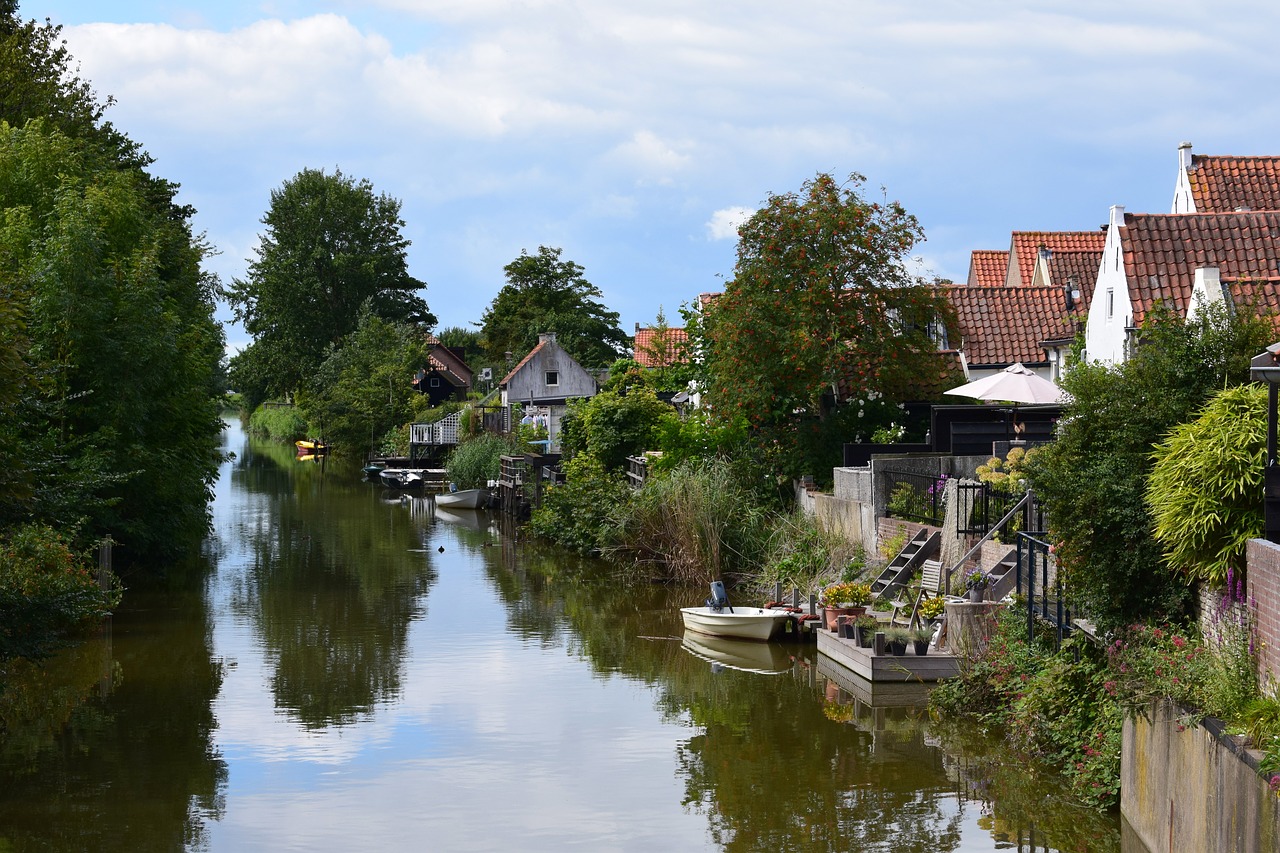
(334, 585)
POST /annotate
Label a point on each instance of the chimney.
(1117, 217)
(1209, 280)
(547, 338)
(1184, 156)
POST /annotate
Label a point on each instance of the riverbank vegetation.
(1153, 486)
(110, 378)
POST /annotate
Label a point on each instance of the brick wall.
(1264, 594)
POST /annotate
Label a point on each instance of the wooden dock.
(886, 667)
(872, 694)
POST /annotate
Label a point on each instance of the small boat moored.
(718, 618)
(401, 478)
(465, 499)
(310, 445)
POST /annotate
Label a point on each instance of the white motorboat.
(401, 478)
(744, 623)
(465, 499)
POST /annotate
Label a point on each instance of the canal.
(344, 669)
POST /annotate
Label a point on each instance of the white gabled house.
(543, 383)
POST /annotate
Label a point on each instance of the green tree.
(118, 416)
(1205, 490)
(546, 294)
(1093, 478)
(331, 247)
(820, 299)
(362, 389)
(467, 340)
(613, 425)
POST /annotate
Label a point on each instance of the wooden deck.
(877, 695)
(886, 667)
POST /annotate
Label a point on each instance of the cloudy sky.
(635, 135)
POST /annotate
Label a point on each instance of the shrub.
(695, 523)
(279, 423)
(577, 514)
(477, 460)
(46, 592)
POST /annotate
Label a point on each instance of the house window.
(1111, 303)
(435, 381)
(553, 377)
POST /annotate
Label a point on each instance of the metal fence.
(1041, 584)
(914, 497)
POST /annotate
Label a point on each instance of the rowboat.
(743, 623)
(309, 445)
(465, 499)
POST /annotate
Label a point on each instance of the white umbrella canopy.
(1015, 384)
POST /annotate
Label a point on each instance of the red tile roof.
(1224, 184)
(1163, 251)
(988, 267)
(1001, 325)
(1026, 246)
(1082, 266)
(655, 350)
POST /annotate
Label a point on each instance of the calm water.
(353, 671)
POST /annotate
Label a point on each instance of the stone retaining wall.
(1192, 787)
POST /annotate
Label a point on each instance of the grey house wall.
(530, 382)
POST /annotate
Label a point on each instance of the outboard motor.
(719, 599)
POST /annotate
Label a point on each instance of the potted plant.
(866, 627)
(844, 599)
(932, 608)
(921, 638)
(977, 584)
(896, 638)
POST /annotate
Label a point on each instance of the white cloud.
(724, 223)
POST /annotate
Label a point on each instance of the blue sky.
(635, 134)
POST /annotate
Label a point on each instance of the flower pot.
(898, 648)
(977, 593)
(830, 614)
(921, 647)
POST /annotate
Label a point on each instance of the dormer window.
(553, 377)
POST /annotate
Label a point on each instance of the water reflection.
(332, 583)
(86, 763)
(297, 692)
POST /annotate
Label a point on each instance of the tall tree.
(546, 294)
(820, 299)
(332, 246)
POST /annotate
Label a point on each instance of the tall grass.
(695, 523)
(281, 423)
(477, 460)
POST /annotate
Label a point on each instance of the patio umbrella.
(1015, 384)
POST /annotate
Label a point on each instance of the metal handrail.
(990, 533)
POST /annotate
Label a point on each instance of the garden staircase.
(1002, 576)
(922, 546)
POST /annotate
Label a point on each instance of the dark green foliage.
(1093, 478)
(362, 389)
(546, 294)
(332, 247)
(119, 412)
(46, 592)
(577, 514)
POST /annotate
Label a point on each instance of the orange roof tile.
(1027, 244)
(651, 350)
(1224, 184)
(1163, 251)
(988, 267)
(1001, 325)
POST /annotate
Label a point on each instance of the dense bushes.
(277, 422)
(46, 592)
(477, 460)
(695, 523)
